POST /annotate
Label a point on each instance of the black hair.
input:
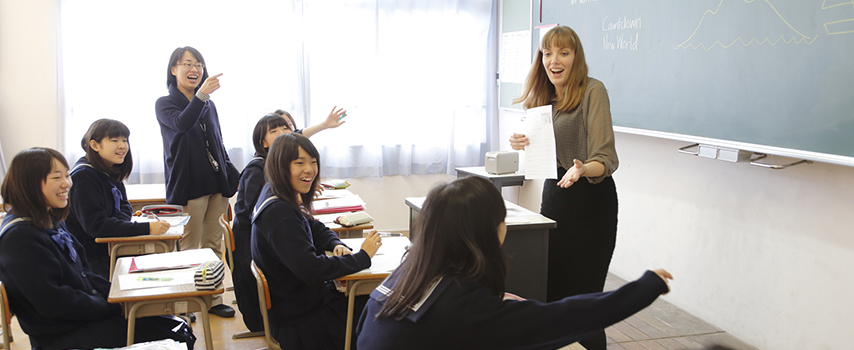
(176, 57)
(107, 128)
(277, 169)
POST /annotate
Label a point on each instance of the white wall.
(767, 255)
(28, 106)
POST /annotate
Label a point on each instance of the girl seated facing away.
(59, 301)
(99, 203)
(449, 291)
(289, 246)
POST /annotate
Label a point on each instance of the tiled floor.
(660, 326)
(664, 326)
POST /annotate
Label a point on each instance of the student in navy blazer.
(289, 246)
(60, 303)
(99, 203)
(199, 174)
(449, 291)
(251, 181)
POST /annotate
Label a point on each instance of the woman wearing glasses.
(199, 174)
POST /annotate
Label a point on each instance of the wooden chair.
(228, 236)
(265, 304)
(5, 319)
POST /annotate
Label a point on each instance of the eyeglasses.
(198, 66)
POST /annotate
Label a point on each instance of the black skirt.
(581, 246)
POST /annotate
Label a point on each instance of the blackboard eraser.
(734, 155)
(707, 151)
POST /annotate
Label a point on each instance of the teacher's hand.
(518, 141)
(210, 85)
(573, 174)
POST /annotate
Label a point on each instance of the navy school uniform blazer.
(99, 208)
(189, 174)
(50, 292)
(461, 314)
(290, 250)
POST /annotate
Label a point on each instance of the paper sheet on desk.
(172, 220)
(177, 277)
(540, 155)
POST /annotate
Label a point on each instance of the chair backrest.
(5, 318)
(228, 235)
(265, 304)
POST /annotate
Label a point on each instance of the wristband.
(202, 96)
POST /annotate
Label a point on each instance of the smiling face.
(56, 185)
(557, 62)
(111, 149)
(272, 133)
(188, 78)
(303, 171)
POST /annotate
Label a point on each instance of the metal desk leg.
(202, 305)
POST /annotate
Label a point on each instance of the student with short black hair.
(448, 292)
(199, 173)
(289, 245)
(60, 303)
(98, 201)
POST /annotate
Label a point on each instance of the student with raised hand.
(98, 201)
(60, 303)
(199, 174)
(449, 291)
(289, 246)
(583, 198)
(333, 120)
(251, 182)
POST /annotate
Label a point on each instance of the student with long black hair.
(99, 202)
(251, 182)
(60, 303)
(289, 245)
(449, 291)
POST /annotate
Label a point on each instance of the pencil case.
(354, 219)
(209, 275)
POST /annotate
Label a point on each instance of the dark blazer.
(49, 292)
(245, 289)
(461, 314)
(290, 250)
(94, 214)
(189, 174)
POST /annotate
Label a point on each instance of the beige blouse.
(586, 133)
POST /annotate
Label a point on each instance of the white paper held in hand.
(540, 154)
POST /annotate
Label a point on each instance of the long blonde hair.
(539, 91)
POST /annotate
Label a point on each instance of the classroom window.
(414, 76)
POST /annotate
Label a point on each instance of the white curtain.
(414, 76)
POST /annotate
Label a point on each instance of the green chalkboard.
(772, 74)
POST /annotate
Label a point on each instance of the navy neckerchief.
(117, 194)
(64, 240)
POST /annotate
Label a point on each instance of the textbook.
(338, 205)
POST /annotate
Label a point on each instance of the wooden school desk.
(140, 195)
(363, 282)
(166, 300)
(140, 245)
(527, 242)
